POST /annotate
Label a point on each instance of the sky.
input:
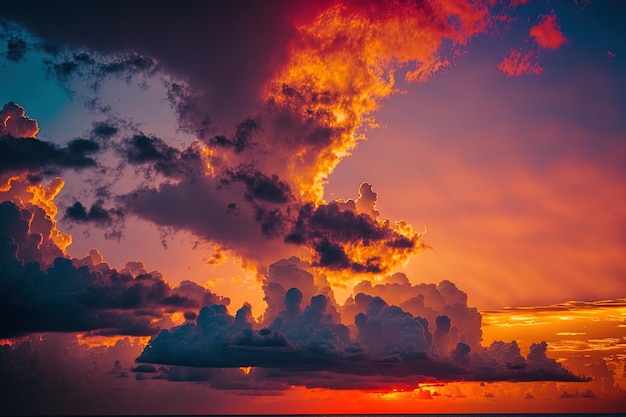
(239, 207)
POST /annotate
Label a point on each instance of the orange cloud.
(517, 64)
(344, 62)
(547, 34)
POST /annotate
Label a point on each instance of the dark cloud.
(96, 214)
(240, 140)
(219, 71)
(95, 68)
(334, 229)
(16, 49)
(258, 216)
(104, 129)
(259, 187)
(143, 149)
(203, 206)
(20, 152)
(153, 156)
(18, 155)
(78, 295)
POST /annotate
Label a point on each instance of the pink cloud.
(610, 55)
(517, 64)
(547, 34)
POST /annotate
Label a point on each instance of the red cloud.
(547, 34)
(517, 64)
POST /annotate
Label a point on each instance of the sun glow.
(207, 155)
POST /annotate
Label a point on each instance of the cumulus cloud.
(20, 152)
(292, 275)
(77, 295)
(335, 234)
(15, 122)
(382, 340)
(429, 301)
(29, 220)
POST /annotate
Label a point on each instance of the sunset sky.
(328, 206)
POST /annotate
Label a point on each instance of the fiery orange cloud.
(25, 195)
(547, 34)
(345, 61)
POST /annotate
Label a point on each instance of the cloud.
(15, 123)
(77, 295)
(257, 191)
(201, 205)
(520, 63)
(525, 60)
(292, 275)
(429, 301)
(19, 155)
(382, 340)
(258, 217)
(96, 214)
(29, 218)
(343, 237)
(154, 156)
(304, 122)
(16, 49)
(240, 140)
(96, 68)
(21, 152)
(226, 92)
(547, 33)
(261, 185)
